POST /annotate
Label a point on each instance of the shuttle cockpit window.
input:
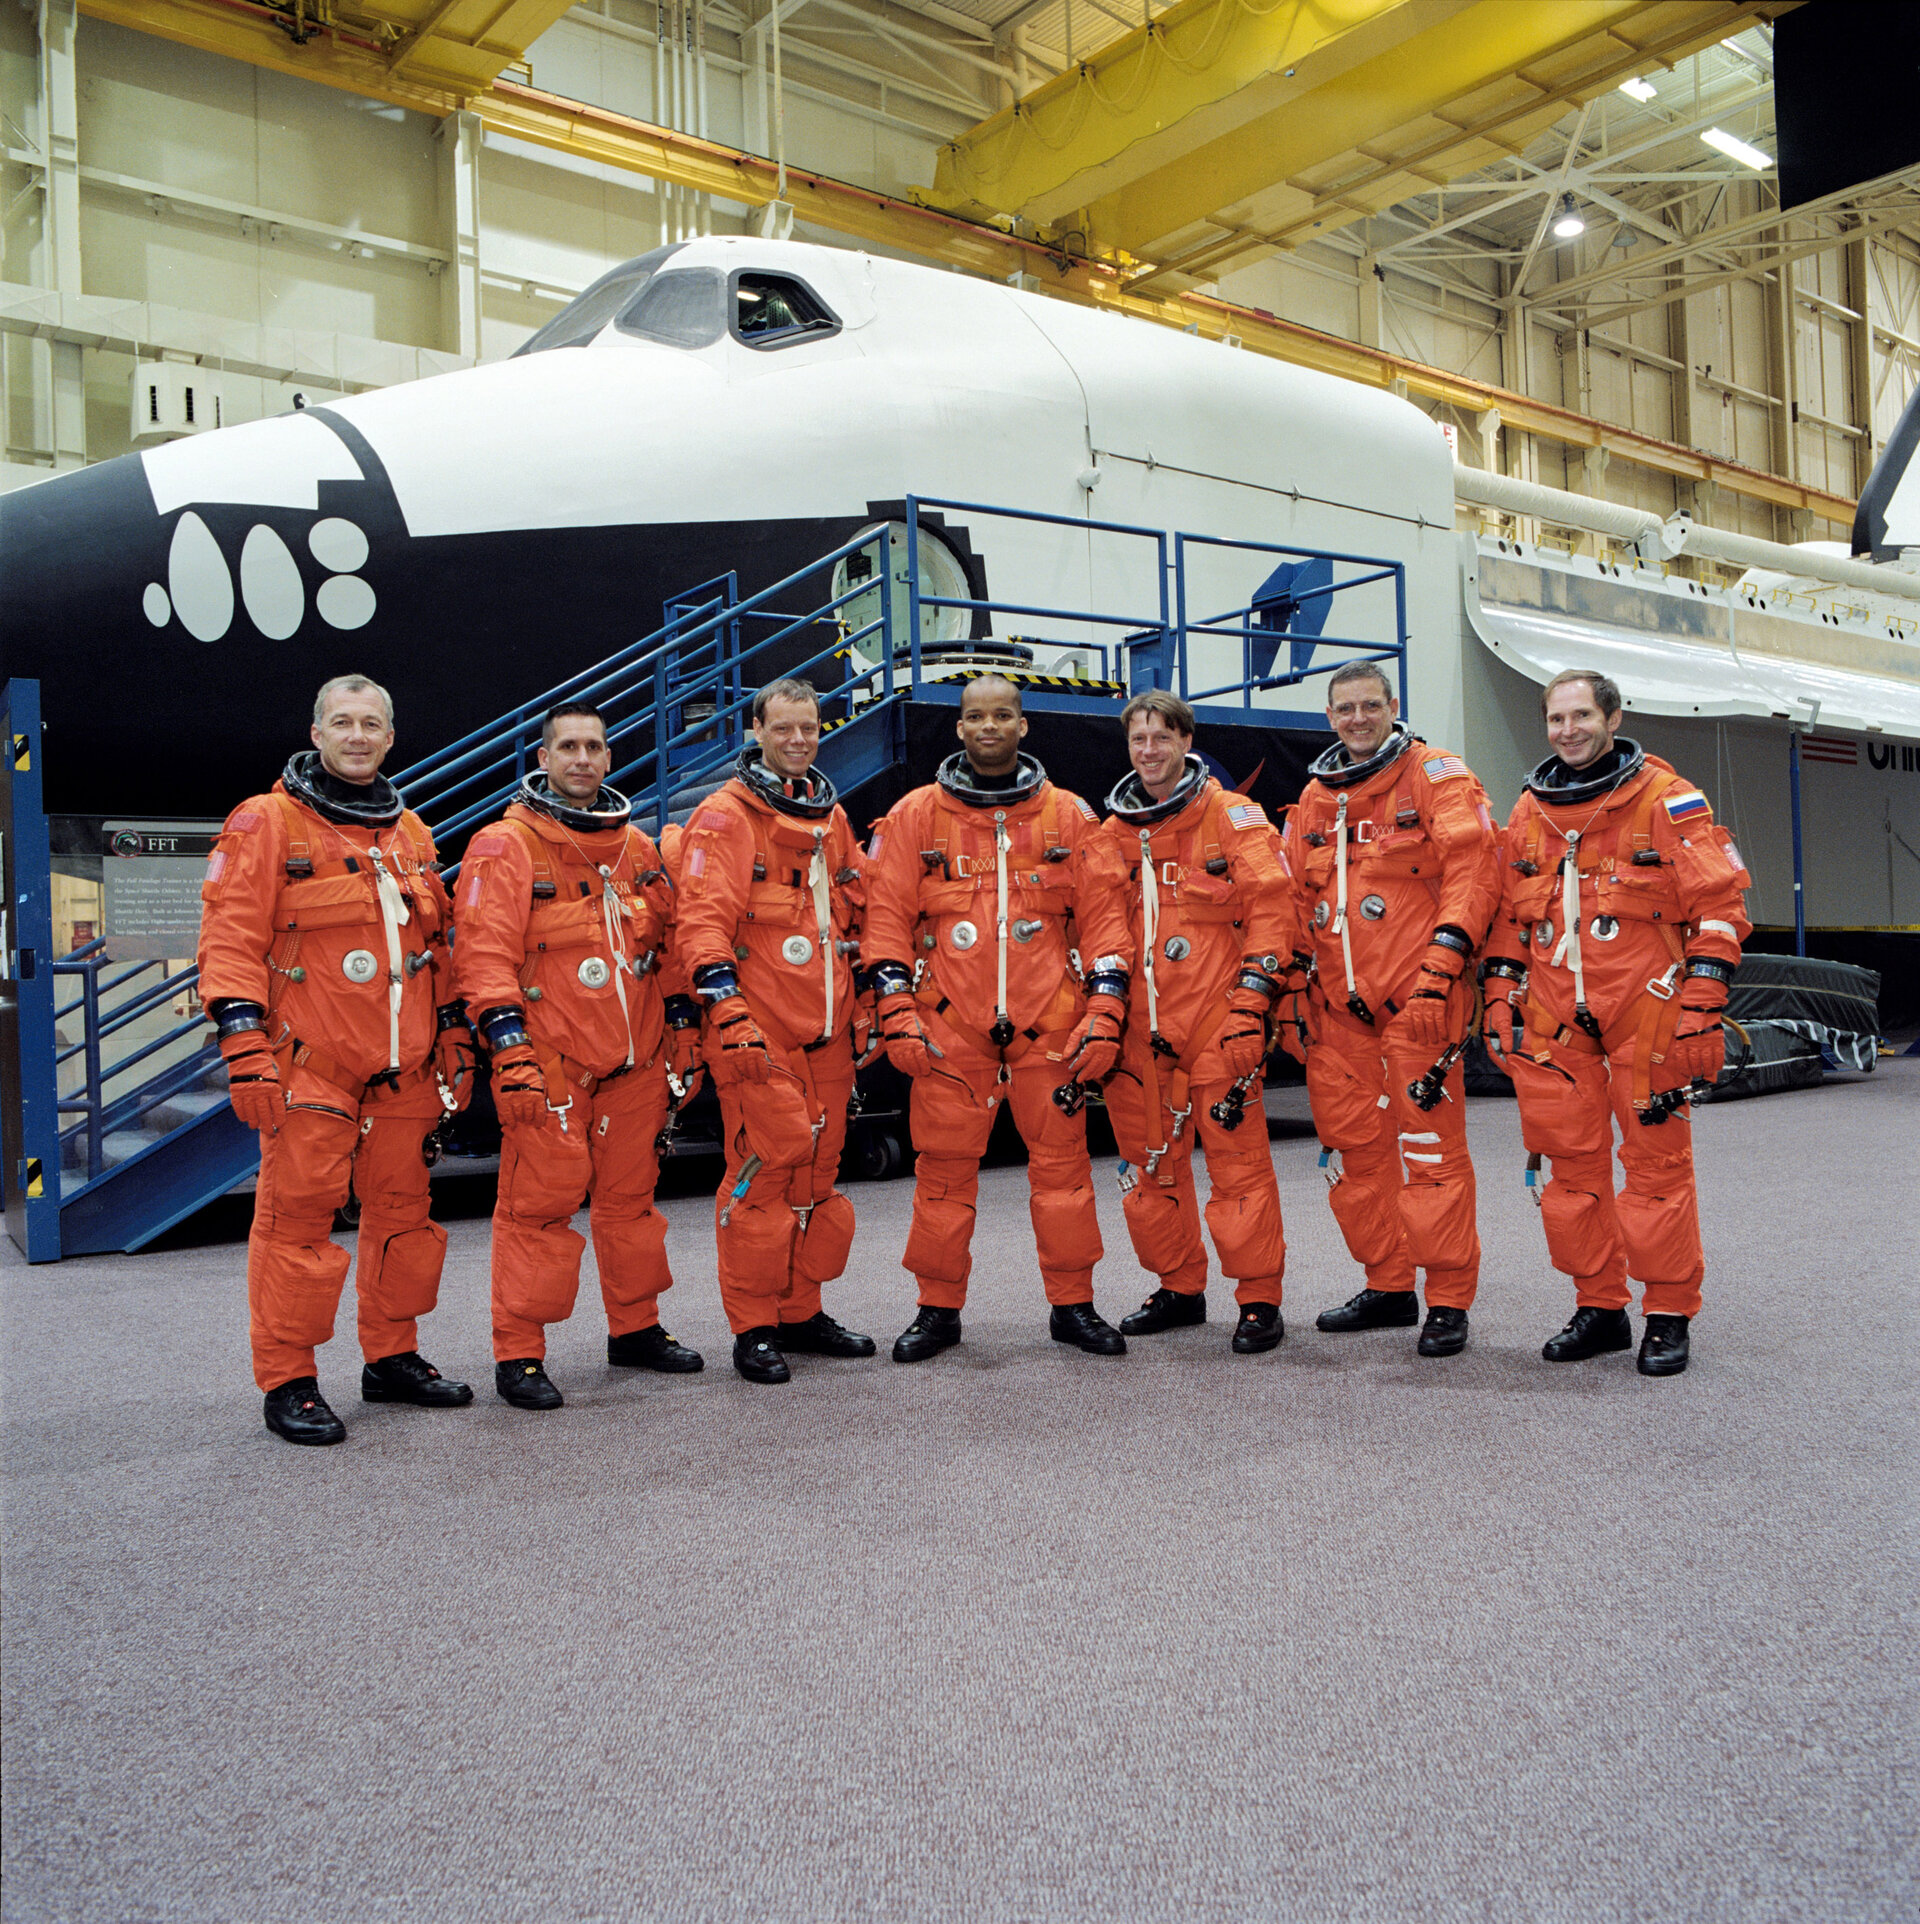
(775, 310)
(687, 308)
(584, 316)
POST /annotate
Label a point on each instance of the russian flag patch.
(1683, 808)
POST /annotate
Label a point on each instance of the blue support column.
(33, 1124)
(1799, 874)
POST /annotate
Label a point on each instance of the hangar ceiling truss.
(1220, 129)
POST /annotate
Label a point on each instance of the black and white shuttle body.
(726, 404)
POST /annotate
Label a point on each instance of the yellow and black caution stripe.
(1024, 678)
(36, 1180)
(22, 755)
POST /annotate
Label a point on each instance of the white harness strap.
(1567, 950)
(823, 919)
(1001, 844)
(1149, 927)
(1340, 896)
(393, 917)
(611, 911)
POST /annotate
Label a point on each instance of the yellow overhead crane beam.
(1223, 127)
(751, 180)
(430, 54)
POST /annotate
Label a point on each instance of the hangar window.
(775, 310)
(584, 316)
(686, 308)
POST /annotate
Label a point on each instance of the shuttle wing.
(1681, 649)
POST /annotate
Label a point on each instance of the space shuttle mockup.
(724, 404)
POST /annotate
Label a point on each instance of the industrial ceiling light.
(1637, 89)
(1738, 149)
(1569, 224)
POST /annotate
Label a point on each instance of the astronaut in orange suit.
(323, 967)
(1215, 926)
(984, 885)
(1621, 919)
(1394, 857)
(770, 886)
(562, 929)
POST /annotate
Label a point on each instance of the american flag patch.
(216, 863)
(473, 886)
(243, 819)
(877, 844)
(1441, 766)
(1086, 809)
(697, 860)
(1683, 808)
(1830, 748)
(1733, 854)
(1247, 815)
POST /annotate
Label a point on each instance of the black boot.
(820, 1335)
(410, 1378)
(652, 1349)
(1445, 1333)
(1261, 1328)
(1082, 1325)
(1663, 1349)
(932, 1330)
(1593, 1332)
(756, 1355)
(523, 1382)
(1166, 1309)
(298, 1411)
(1372, 1309)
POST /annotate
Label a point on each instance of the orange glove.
(736, 1050)
(1501, 1026)
(455, 1054)
(904, 1036)
(1094, 1052)
(1245, 1038)
(253, 1082)
(1426, 1023)
(519, 1089)
(683, 1045)
(1698, 1050)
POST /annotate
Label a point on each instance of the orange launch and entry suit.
(562, 918)
(332, 927)
(1215, 923)
(770, 888)
(1396, 867)
(1622, 904)
(988, 889)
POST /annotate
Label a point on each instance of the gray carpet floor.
(1332, 1633)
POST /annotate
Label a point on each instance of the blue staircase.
(149, 1149)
